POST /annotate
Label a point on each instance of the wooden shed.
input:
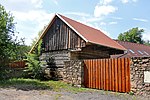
(66, 39)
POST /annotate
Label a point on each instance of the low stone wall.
(138, 67)
(73, 72)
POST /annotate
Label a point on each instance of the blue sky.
(110, 16)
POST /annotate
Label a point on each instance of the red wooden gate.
(107, 74)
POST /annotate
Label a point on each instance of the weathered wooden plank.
(66, 46)
(69, 39)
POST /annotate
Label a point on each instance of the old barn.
(65, 39)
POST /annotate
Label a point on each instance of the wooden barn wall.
(53, 63)
(61, 37)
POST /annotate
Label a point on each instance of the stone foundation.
(73, 72)
(137, 69)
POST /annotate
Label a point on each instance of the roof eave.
(123, 49)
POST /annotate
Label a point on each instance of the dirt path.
(13, 94)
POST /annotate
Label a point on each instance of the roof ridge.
(81, 23)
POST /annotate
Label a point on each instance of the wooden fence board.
(18, 64)
(102, 75)
(116, 76)
(113, 75)
(97, 74)
(119, 73)
(123, 77)
(108, 74)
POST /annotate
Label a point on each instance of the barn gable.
(61, 37)
(76, 34)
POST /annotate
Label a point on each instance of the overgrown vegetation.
(11, 48)
(33, 69)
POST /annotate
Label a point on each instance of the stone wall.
(73, 72)
(137, 69)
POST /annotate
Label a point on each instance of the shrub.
(33, 69)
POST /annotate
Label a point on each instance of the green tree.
(8, 42)
(133, 35)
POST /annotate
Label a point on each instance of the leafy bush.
(33, 69)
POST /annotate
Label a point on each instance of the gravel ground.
(14, 94)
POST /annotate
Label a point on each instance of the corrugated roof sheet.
(134, 49)
(92, 35)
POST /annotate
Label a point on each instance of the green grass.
(33, 84)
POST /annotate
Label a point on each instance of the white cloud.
(134, 0)
(140, 19)
(31, 22)
(29, 16)
(78, 14)
(33, 15)
(112, 23)
(104, 10)
(22, 5)
(146, 34)
(119, 18)
(127, 1)
(37, 3)
(55, 1)
(102, 23)
(93, 19)
(105, 2)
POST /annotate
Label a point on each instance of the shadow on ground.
(25, 84)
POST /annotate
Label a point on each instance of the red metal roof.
(134, 49)
(92, 35)
(88, 33)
